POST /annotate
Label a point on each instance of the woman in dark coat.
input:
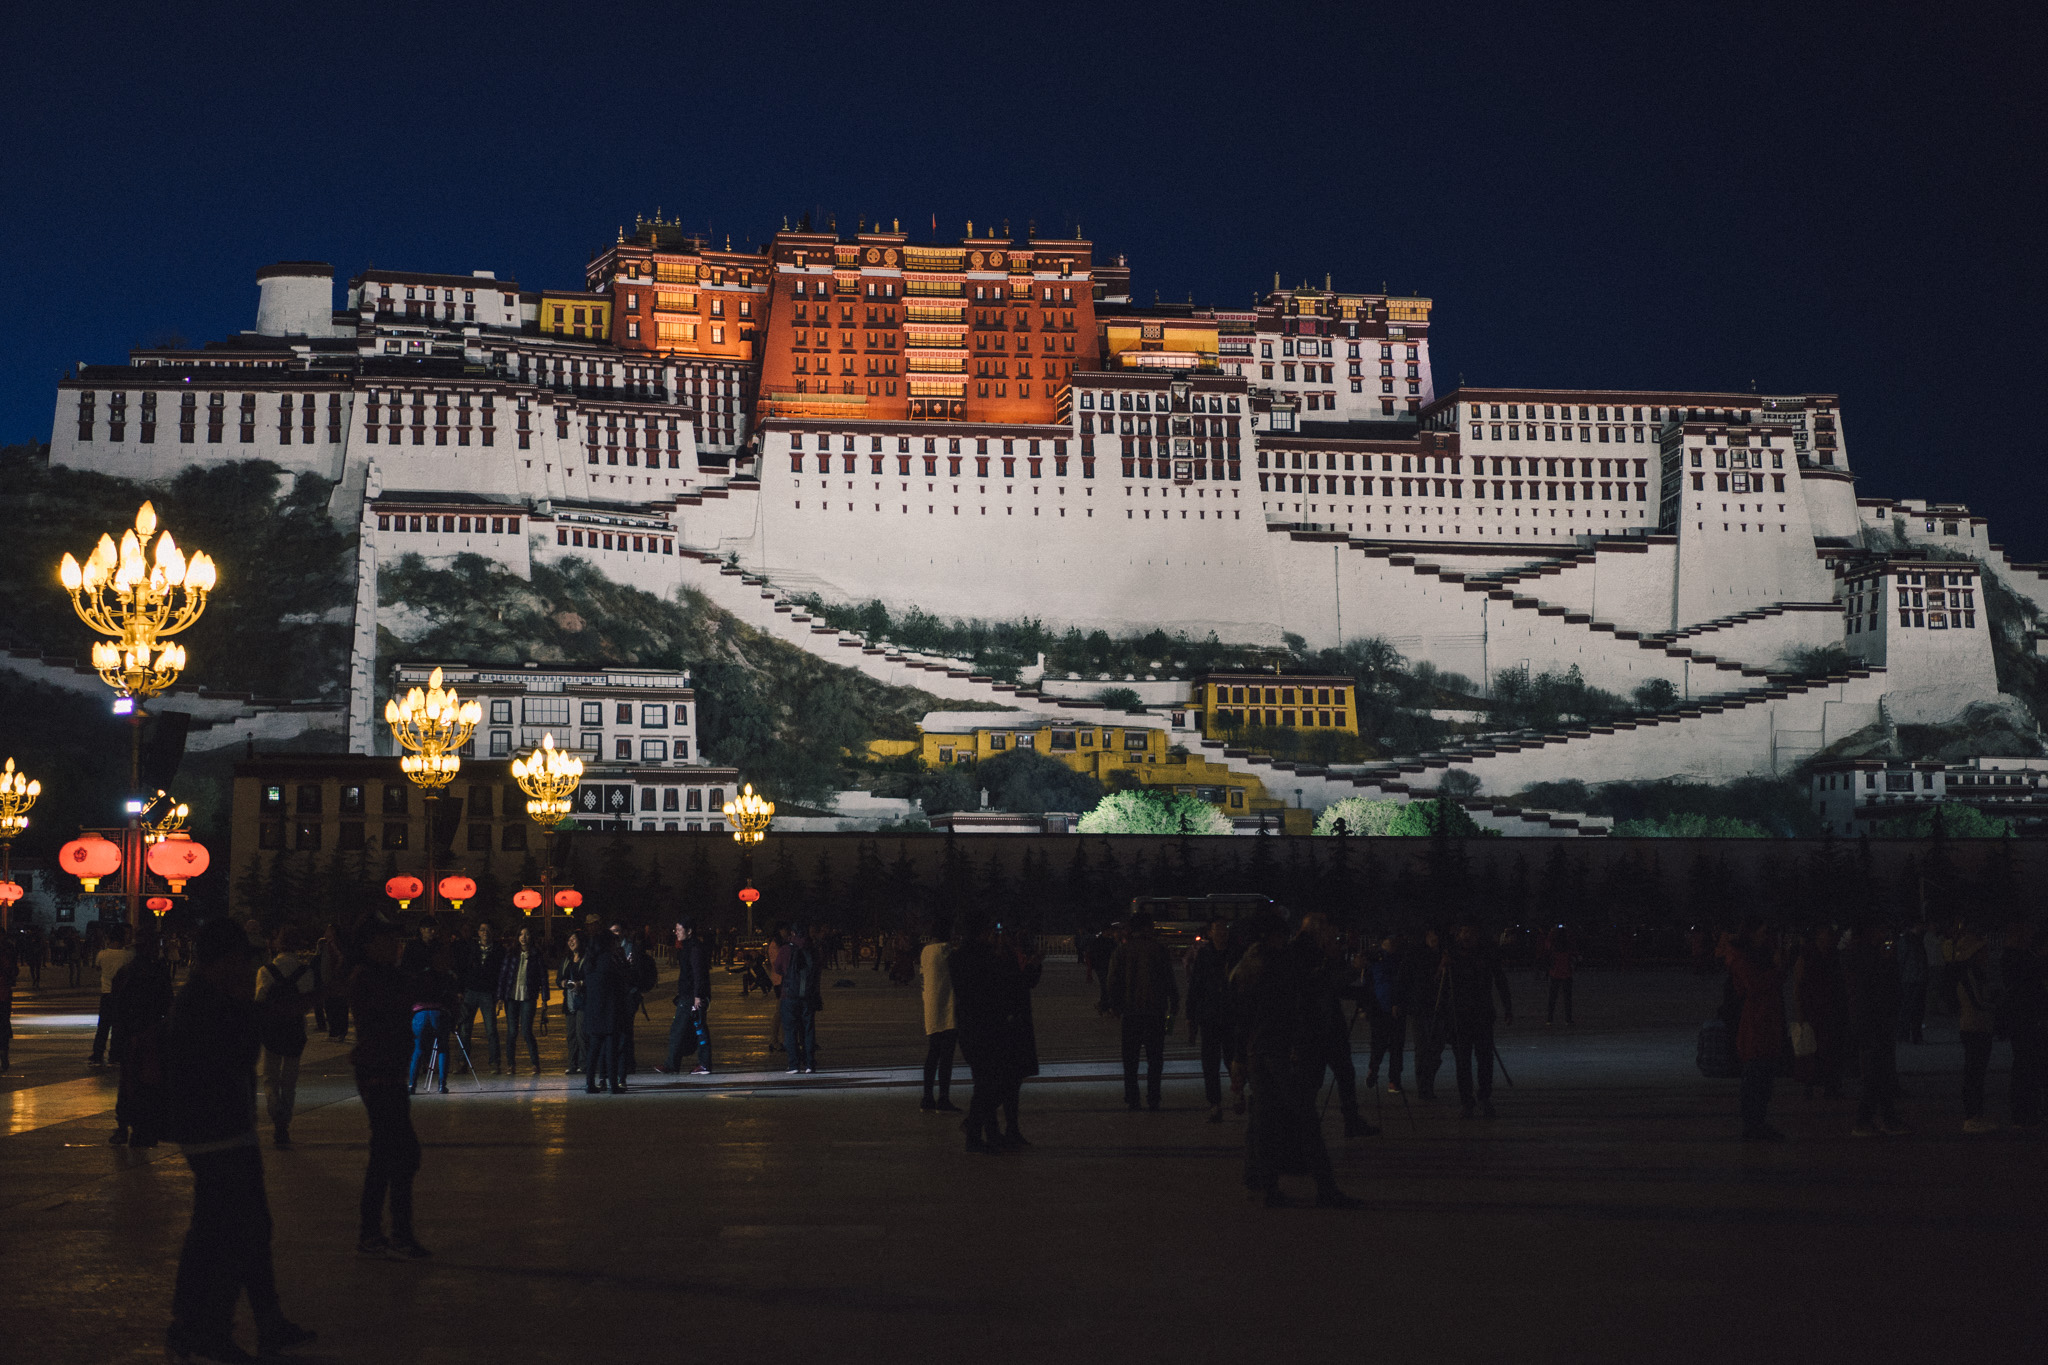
(607, 1013)
(1019, 967)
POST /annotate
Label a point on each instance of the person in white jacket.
(942, 1032)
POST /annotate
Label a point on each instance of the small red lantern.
(748, 895)
(89, 858)
(405, 890)
(10, 892)
(456, 889)
(568, 899)
(177, 858)
(158, 904)
(528, 899)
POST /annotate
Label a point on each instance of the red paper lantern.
(526, 900)
(405, 890)
(568, 899)
(10, 892)
(749, 895)
(456, 889)
(177, 858)
(89, 858)
(158, 904)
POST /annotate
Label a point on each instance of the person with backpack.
(284, 992)
(802, 997)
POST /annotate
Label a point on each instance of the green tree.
(1031, 782)
(1423, 818)
(1147, 812)
(1360, 816)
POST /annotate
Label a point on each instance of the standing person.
(1425, 1022)
(332, 1010)
(1976, 1020)
(143, 996)
(477, 966)
(108, 961)
(1467, 982)
(1562, 961)
(1913, 979)
(382, 999)
(1281, 1055)
(941, 1028)
(641, 976)
(606, 1001)
(570, 978)
(1387, 980)
(210, 1053)
(802, 998)
(523, 988)
(435, 991)
(1872, 988)
(979, 1004)
(1141, 991)
(284, 988)
(1329, 981)
(1210, 1022)
(691, 1026)
(1819, 1001)
(419, 950)
(1756, 973)
(1020, 967)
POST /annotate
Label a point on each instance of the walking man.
(476, 970)
(210, 1052)
(523, 987)
(109, 961)
(691, 1027)
(284, 991)
(1467, 982)
(941, 1026)
(1140, 991)
(381, 996)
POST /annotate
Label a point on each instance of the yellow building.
(1224, 703)
(1119, 751)
(571, 313)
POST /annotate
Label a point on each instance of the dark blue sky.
(1807, 198)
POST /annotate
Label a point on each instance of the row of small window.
(678, 302)
(1893, 782)
(1274, 696)
(1182, 470)
(651, 750)
(555, 711)
(439, 525)
(1237, 719)
(1514, 433)
(419, 436)
(589, 540)
(1739, 459)
(307, 798)
(1939, 620)
(448, 295)
(611, 456)
(352, 836)
(1308, 346)
(1740, 482)
(1503, 490)
(1057, 741)
(675, 331)
(849, 443)
(1141, 425)
(1140, 402)
(1553, 412)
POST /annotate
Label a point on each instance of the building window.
(395, 799)
(622, 750)
(397, 837)
(351, 800)
(653, 717)
(654, 751)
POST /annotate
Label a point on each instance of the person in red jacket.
(1757, 969)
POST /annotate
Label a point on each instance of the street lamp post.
(431, 727)
(17, 794)
(141, 597)
(549, 777)
(749, 815)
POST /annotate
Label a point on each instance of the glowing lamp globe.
(528, 900)
(748, 895)
(10, 892)
(177, 858)
(405, 890)
(457, 889)
(157, 905)
(89, 858)
(568, 899)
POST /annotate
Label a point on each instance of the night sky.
(1694, 196)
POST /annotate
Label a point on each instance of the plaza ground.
(1609, 1212)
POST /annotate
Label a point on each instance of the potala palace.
(991, 427)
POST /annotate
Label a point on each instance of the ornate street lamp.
(431, 727)
(749, 815)
(17, 794)
(549, 778)
(141, 595)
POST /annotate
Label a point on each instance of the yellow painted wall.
(597, 314)
(1295, 699)
(1107, 757)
